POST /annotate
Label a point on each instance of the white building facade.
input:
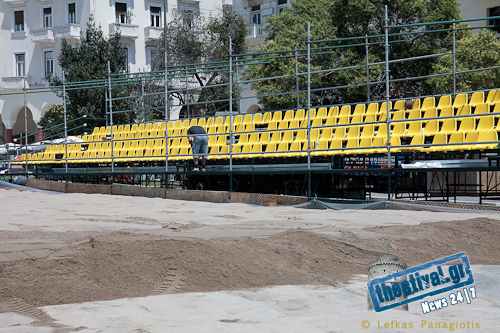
(31, 35)
(256, 12)
(471, 9)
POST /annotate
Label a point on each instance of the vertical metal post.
(106, 104)
(187, 93)
(297, 78)
(65, 122)
(111, 120)
(308, 109)
(167, 115)
(367, 45)
(25, 128)
(238, 92)
(143, 101)
(230, 107)
(387, 97)
(454, 61)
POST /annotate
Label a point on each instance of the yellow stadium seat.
(417, 143)
(287, 136)
(331, 121)
(265, 137)
(357, 119)
(294, 149)
(243, 140)
(400, 105)
(460, 100)
(345, 111)
(370, 118)
(485, 123)
(326, 134)
(316, 122)
(254, 138)
(333, 112)
(430, 113)
(342, 120)
(282, 124)
(209, 122)
(455, 137)
(372, 108)
(414, 128)
(359, 109)
(415, 114)
(213, 151)
(444, 102)
(250, 127)
(399, 129)
(340, 133)
(312, 113)
(487, 136)
(352, 132)
(476, 98)
(431, 128)
(440, 139)
(381, 130)
(269, 151)
(335, 148)
(398, 115)
(247, 119)
(288, 115)
(395, 143)
(257, 118)
(482, 108)
(321, 114)
(449, 126)
(299, 115)
(367, 131)
(276, 137)
(277, 116)
(383, 107)
(349, 148)
(282, 149)
(221, 140)
(301, 136)
(447, 111)
(293, 124)
(365, 144)
(322, 144)
(464, 110)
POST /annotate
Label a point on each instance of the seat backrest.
(444, 101)
(440, 138)
(372, 108)
(399, 105)
(345, 111)
(477, 98)
(486, 123)
(447, 111)
(359, 109)
(460, 99)
(487, 136)
(482, 108)
(333, 112)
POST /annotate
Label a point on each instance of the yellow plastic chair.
(381, 130)
(455, 137)
(439, 139)
(288, 115)
(464, 110)
(367, 131)
(487, 136)
(247, 119)
(444, 102)
(372, 108)
(431, 128)
(265, 137)
(300, 114)
(482, 108)
(430, 113)
(294, 149)
(417, 143)
(282, 149)
(414, 128)
(415, 114)
(477, 98)
(333, 112)
(322, 114)
(277, 116)
(449, 126)
(276, 137)
(282, 125)
(335, 148)
(351, 143)
(340, 133)
(287, 136)
(447, 111)
(460, 100)
(352, 132)
(322, 144)
(365, 145)
(345, 111)
(270, 150)
(326, 134)
(485, 123)
(400, 105)
(470, 141)
(395, 143)
(359, 109)
(399, 129)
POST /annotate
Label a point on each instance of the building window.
(255, 8)
(155, 16)
(20, 64)
(72, 13)
(152, 53)
(256, 18)
(47, 17)
(18, 20)
(48, 57)
(282, 2)
(121, 12)
(125, 65)
(495, 11)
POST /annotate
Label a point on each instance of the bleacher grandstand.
(432, 125)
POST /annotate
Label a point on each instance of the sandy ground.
(96, 263)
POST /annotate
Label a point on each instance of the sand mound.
(118, 265)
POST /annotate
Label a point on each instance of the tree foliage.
(473, 51)
(87, 60)
(346, 19)
(194, 40)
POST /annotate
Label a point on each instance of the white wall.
(476, 9)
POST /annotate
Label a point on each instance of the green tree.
(473, 51)
(192, 39)
(354, 18)
(87, 60)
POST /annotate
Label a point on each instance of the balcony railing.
(15, 82)
(43, 35)
(256, 31)
(152, 33)
(68, 31)
(126, 30)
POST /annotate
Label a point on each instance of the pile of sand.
(130, 264)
